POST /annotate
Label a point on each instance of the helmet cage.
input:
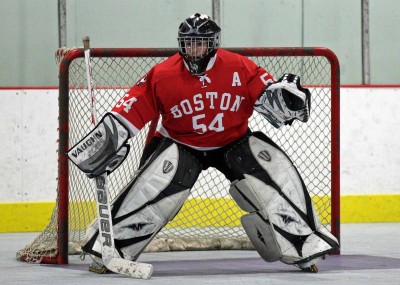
(198, 38)
(195, 48)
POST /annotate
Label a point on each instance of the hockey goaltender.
(205, 96)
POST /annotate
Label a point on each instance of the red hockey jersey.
(204, 112)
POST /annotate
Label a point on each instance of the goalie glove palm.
(284, 101)
(103, 149)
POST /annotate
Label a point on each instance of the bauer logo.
(264, 155)
(104, 212)
(168, 166)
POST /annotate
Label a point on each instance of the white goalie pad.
(283, 224)
(150, 201)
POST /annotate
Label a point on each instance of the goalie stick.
(110, 256)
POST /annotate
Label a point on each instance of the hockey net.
(209, 219)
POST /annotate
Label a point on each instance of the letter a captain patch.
(236, 79)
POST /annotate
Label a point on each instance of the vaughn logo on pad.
(90, 140)
(168, 166)
(264, 155)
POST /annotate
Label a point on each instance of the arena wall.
(370, 155)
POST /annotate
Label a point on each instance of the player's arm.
(284, 101)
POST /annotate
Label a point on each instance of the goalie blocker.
(103, 149)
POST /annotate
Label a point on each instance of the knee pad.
(282, 224)
(149, 201)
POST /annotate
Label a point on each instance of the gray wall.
(29, 31)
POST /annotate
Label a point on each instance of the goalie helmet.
(198, 39)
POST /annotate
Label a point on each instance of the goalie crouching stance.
(205, 96)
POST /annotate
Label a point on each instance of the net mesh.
(209, 219)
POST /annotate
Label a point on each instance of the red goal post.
(209, 219)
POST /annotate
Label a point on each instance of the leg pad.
(262, 236)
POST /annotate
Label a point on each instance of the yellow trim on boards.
(35, 216)
(25, 217)
(370, 208)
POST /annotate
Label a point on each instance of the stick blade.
(130, 268)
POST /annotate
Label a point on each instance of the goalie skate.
(98, 268)
(311, 268)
